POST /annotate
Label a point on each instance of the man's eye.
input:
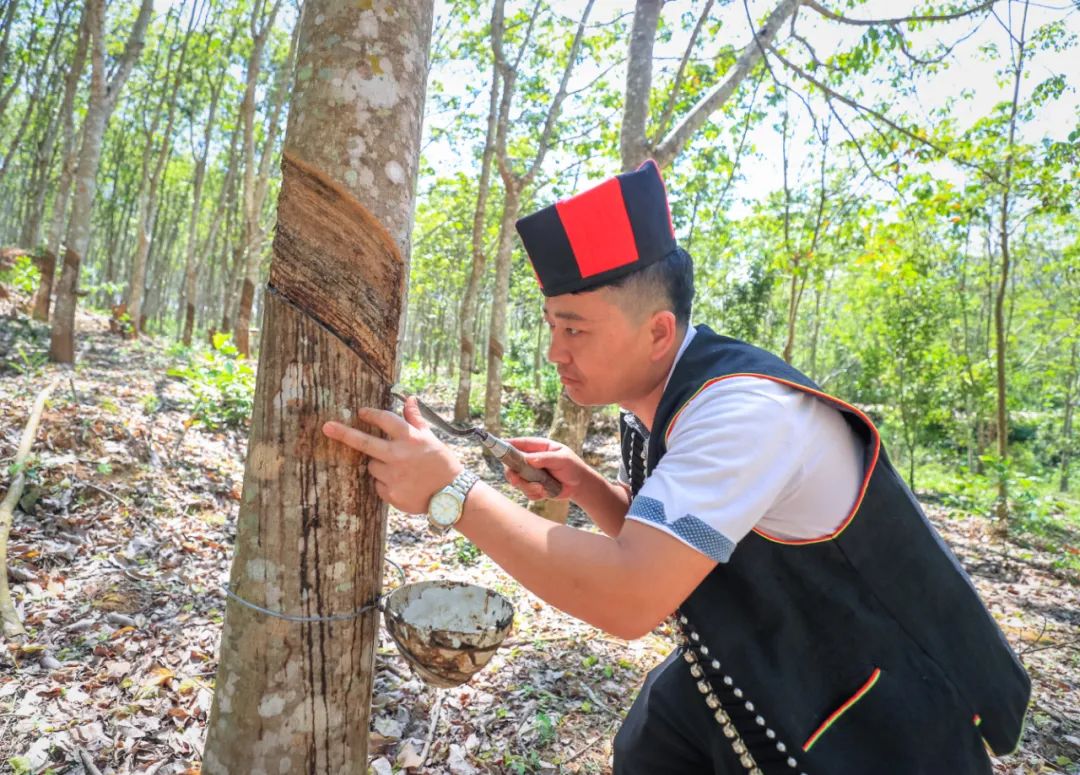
(573, 331)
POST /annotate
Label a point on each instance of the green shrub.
(222, 384)
(23, 274)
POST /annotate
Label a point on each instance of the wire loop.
(376, 603)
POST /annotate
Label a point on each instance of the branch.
(676, 86)
(9, 618)
(898, 20)
(556, 103)
(718, 95)
(132, 49)
(879, 116)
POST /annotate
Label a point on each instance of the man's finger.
(531, 444)
(371, 446)
(412, 415)
(541, 459)
(394, 426)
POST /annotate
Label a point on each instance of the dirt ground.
(122, 541)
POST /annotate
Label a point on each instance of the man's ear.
(663, 333)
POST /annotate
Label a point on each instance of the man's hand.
(560, 462)
(410, 464)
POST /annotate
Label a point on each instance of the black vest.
(868, 650)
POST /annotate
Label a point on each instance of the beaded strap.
(691, 641)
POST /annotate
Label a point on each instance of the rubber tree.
(68, 159)
(104, 93)
(295, 696)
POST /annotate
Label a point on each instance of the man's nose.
(557, 353)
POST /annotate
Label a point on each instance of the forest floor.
(125, 534)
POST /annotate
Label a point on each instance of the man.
(825, 626)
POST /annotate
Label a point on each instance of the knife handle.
(511, 457)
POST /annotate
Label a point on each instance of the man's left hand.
(410, 464)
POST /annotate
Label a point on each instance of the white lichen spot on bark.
(350, 522)
(271, 705)
(320, 18)
(395, 173)
(289, 674)
(367, 26)
(273, 595)
(291, 387)
(284, 765)
(224, 698)
(365, 177)
(380, 91)
(258, 569)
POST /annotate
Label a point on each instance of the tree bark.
(103, 98)
(291, 696)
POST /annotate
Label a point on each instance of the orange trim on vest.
(843, 708)
(824, 397)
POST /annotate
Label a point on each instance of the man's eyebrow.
(564, 315)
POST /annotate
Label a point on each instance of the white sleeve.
(729, 459)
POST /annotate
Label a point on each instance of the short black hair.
(664, 284)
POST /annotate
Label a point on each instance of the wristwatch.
(446, 506)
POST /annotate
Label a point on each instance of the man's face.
(599, 352)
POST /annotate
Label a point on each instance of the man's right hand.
(569, 469)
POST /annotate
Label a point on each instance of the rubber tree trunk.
(191, 262)
(292, 696)
(499, 301)
(103, 97)
(471, 298)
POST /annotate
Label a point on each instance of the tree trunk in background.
(514, 185)
(39, 187)
(1072, 383)
(192, 259)
(255, 187)
(148, 199)
(43, 297)
(295, 697)
(102, 101)
(471, 298)
(499, 297)
(1001, 510)
(41, 87)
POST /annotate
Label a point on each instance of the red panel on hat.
(598, 228)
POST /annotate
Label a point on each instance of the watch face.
(444, 509)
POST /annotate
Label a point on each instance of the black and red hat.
(600, 235)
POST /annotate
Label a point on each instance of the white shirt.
(750, 453)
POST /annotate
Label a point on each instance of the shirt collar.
(690, 331)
